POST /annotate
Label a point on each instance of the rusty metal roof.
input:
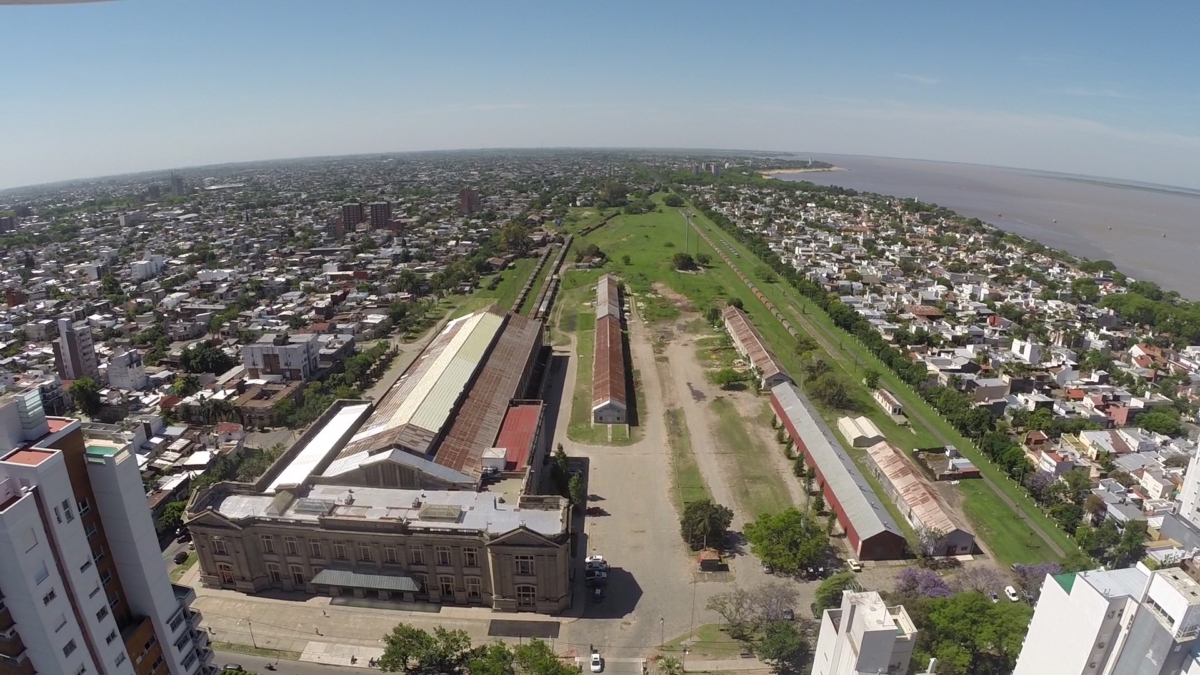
(918, 497)
(608, 364)
(478, 420)
(750, 342)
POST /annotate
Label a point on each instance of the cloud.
(1095, 93)
(919, 79)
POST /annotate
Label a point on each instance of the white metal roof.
(321, 445)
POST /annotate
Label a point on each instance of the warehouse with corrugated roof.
(917, 501)
(609, 379)
(870, 529)
(750, 344)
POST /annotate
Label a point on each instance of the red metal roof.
(608, 364)
(518, 433)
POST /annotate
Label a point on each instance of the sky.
(1099, 88)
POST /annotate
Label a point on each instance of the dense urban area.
(535, 412)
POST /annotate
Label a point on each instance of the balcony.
(184, 594)
(194, 618)
(200, 639)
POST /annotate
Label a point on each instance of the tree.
(537, 658)
(412, 650)
(625, 260)
(818, 502)
(1031, 577)
(871, 378)
(788, 541)
(930, 542)
(980, 579)
(969, 634)
(1160, 422)
(831, 390)
(727, 378)
(673, 200)
(493, 659)
(185, 385)
(736, 606)
(829, 593)
(704, 523)
(915, 583)
(577, 491)
(205, 358)
(736, 302)
(782, 646)
(86, 393)
(683, 261)
(1132, 545)
(669, 665)
(804, 345)
(172, 516)
(772, 600)
(703, 258)
(814, 368)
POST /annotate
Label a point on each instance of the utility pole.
(661, 633)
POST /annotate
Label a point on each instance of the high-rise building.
(127, 371)
(294, 357)
(1189, 495)
(178, 189)
(7, 223)
(864, 636)
(1115, 622)
(84, 586)
(352, 215)
(74, 353)
(154, 191)
(468, 201)
(381, 215)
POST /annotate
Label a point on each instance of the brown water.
(1097, 218)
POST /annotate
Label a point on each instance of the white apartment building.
(1130, 621)
(151, 267)
(863, 637)
(84, 586)
(127, 371)
(1189, 493)
(292, 357)
(74, 351)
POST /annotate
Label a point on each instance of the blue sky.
(1102, 88)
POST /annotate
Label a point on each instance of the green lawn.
(997, 526)
(511, 282)
(757, 485)
(180, 570)
(706, 641)
(686, 478)
(237, 648)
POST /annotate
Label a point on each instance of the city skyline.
(112, 88)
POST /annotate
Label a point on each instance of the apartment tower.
(84, 586)
(74, 353)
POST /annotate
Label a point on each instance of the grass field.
(237, 648)
(757, 485)
(180, 570)
(511, 282)
(706, 641)
(686, 479)
(1006, 534)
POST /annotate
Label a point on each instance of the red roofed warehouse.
(608, 361)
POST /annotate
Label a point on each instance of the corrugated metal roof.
(750, 342)
(479, 419)
(379, 582)
(321, 445)
(608, 364)
(608, 297)
(866, 513)
(919, 498)
(517, 434)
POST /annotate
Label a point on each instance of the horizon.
(112, 88)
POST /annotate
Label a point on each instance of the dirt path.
(750, 407)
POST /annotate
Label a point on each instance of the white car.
(1011, 593)
(595, 560)
(597, 663)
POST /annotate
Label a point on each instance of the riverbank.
(772, 173)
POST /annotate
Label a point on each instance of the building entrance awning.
(397, 583)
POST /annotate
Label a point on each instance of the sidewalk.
(694, 666)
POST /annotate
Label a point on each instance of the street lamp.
(661, 633)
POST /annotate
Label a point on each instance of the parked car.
(995, 598)
(595, 561)
(789, 615)
(181, 557)
(597, 663)
(597, 595)
(231, 666)
(768, 569)
(854, 565)
(1011, 593)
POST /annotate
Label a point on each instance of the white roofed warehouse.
(870, 529)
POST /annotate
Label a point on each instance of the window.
(156, 664)
(273, 572)
(526, 595)
(112, 635)
(81, 669)
(339, 550)
(268, 544)
(314, 549)
(29, 540)
(90, 530)
(297, 575)
(49, 597)
(446, 582)
(290, 546)
(113, 599)
(182, 642)
(364, 552)
(58, 515)
(68, 648)
(120, 658)
(219, 546)
(176, 621)
(416, 555)
(389, 554)
(524, 564)
(41, 574)
(66, 506)
(226, 572)
(98, 553)
(61, 623)
(421, 581)
(474, 588)
(94, 592)
(85, 566)
(191, 658)
(443, 555)
(105, 577)
(470, 557)
(102, 614)
(84, 506)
